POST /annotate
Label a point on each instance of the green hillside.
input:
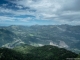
(26, 52)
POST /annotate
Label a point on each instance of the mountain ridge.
(39, 35)
(46, 52)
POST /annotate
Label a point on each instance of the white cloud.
(62, 11)
(48, 8)
(24, 19)
(8, 18)
(15, 12)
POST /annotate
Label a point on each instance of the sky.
(42, 12)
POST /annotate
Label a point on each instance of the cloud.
(61, 11)
(8, 18)
(15, 12)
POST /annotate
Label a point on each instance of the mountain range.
(62, 36)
